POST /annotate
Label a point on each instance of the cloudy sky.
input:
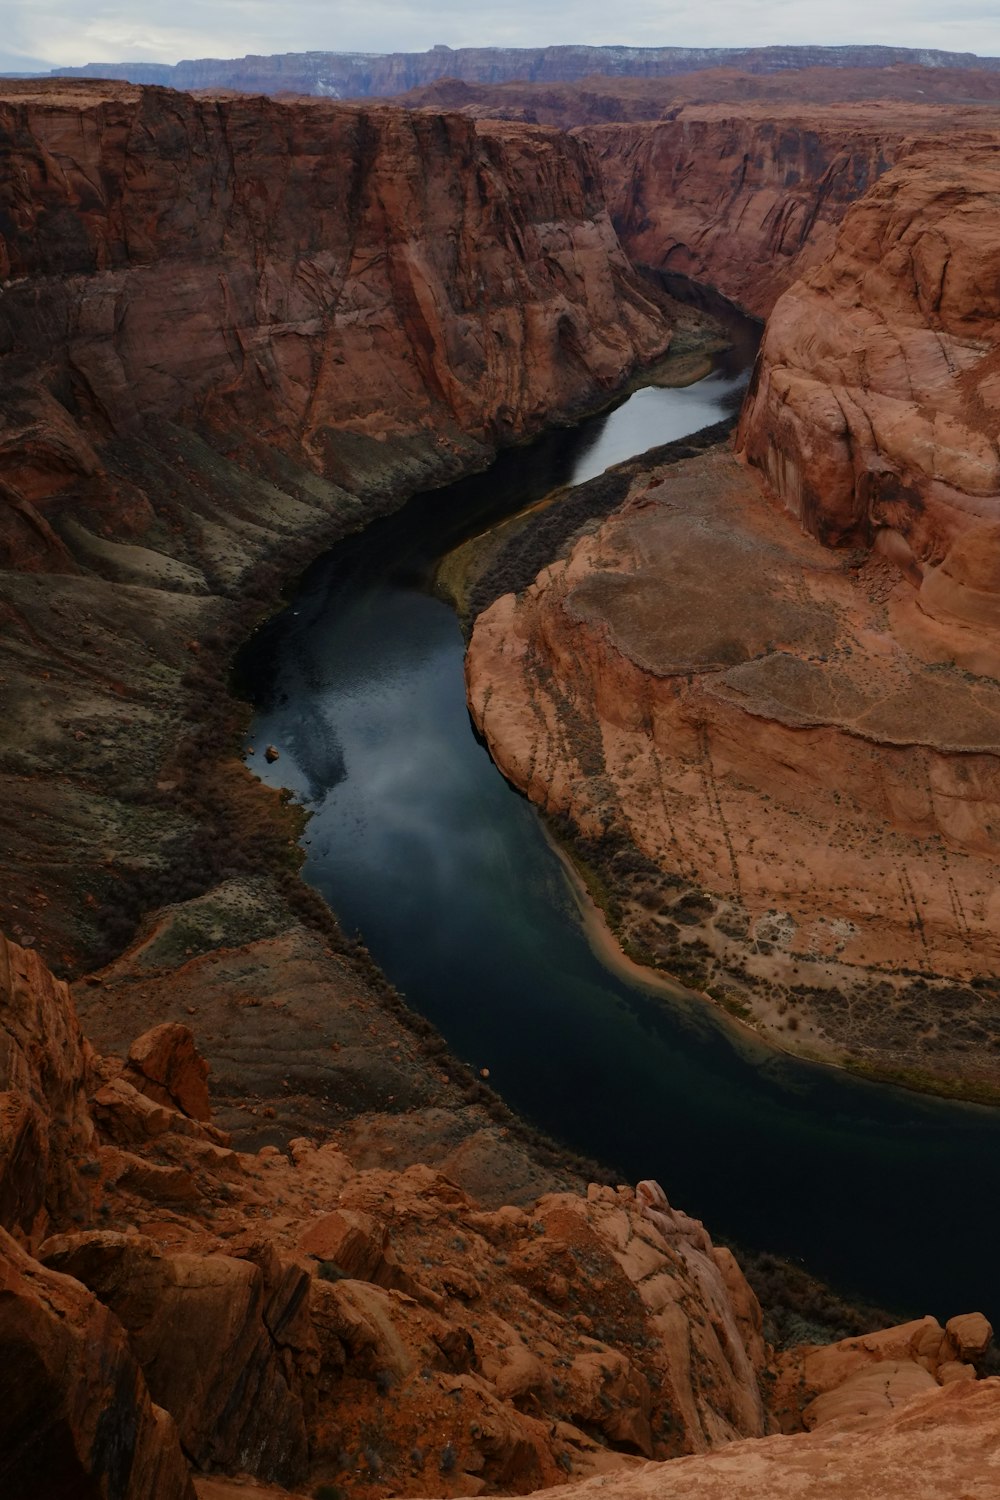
(63, 32)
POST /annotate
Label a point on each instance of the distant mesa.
(357, 75)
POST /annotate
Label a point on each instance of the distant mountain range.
(354, 75)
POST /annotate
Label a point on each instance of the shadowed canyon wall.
(749, 201)
(230, 329)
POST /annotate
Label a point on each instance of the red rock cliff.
(230, 329)
(295, 270)
(747, 200)
(875, 410)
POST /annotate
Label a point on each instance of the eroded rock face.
(802, 742)
(294, 269)
(747, 201)
(215, 1337)
(231, 331)
(75, 1415)
(46, 1133)
(942, 1442)
(812, 803)
(353, 75)
(306, 1322)
(874, 414)
(165, 1064)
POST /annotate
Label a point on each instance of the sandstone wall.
(295, 271)
(874, 412)
(743, 200)
(232, 330)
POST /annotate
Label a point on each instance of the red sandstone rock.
(466, 280)
(818, 800)
(75, 1414)
(45, 1130)
(874, 414)
(165, 1064)
(214, 1340)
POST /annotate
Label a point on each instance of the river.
(422, 848)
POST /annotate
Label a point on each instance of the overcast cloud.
(66, 32)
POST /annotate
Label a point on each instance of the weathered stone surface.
(943, 1442)
(812, 802)
(353, 75)
(45, 1130)
(743, 201)
(874, 415)
(211, 1338)
(166, 1065)
(76, 1419)
(276, 321)
(970, 1335)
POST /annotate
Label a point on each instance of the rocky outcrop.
(300, 1321)
(270, 1303)
(164, 1063)
(75, 1416)
(942, 1442)
(874, 414)
(46, 1134)
(216, 1338)
(353, 75)
(809, 804)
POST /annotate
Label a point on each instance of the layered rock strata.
(749, 200)
(603, 100)
(810, 803)
(874, 415)
(357, 75)
(230, 331)
(802, 742)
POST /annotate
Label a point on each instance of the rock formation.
(600, 101)
(362, 75)
(810, 770)
(301, 1321)
(747, 201)
(875, 413)
(231, 330)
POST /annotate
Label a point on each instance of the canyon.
(233, 331)
(349, 75)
